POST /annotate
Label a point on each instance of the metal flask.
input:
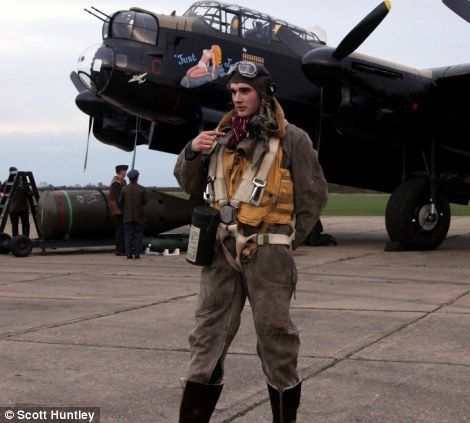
(202, 236)
(84, 214)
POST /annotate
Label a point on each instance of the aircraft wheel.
(5, 243)
(21, 246)
(407, 216)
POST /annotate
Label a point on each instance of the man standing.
(132, 201)
(117, 184)
(19, 208)
(263, 174)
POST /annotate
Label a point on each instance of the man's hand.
(205, 140)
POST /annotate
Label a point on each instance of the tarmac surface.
(385, 337)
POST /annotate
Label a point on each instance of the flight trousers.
(134, 235)
(15, 219)
(268, 281)
(119, 235)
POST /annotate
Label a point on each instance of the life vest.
(259, 195)
(277, 201)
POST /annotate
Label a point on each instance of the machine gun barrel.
(100, 12)
(96, 16)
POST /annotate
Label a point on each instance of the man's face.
(245, 98)
(122, 174)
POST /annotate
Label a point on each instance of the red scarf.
(239, 127)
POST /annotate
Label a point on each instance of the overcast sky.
(42, 130)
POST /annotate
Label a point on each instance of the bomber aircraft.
(159, 79)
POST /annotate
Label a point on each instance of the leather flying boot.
(199, 401)
(284, 404)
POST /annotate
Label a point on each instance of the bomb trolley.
(81, 219)
(22, 245)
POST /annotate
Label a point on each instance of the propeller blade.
(79, 85)
(460, 7)
(362, 30)
(90, 126)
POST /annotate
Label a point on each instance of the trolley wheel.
(4, 243)
(21, 246)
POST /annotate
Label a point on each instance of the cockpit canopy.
(132, 25)
(239, 21)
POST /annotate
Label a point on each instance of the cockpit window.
(310, 37)
(145, 28)
(122, 25)
(305, 35)
(230, 22)
(135, 26)
(256, 28)
(236, 20)
(225, 20)
(212, 17)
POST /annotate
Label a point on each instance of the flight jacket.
(298, 155)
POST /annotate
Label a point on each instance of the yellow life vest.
(277, 203)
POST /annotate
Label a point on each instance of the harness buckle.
(258, 187)
(228, 214)
(263, 239)
(209, 196)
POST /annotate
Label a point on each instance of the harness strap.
(253, 182)
(209, 195)
(220, 186)
(277, 239)
(223, 233)
(240, 242)
(251, 187)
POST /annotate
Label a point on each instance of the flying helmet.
(254, 75)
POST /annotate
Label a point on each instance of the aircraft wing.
(455, 77)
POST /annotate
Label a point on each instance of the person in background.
(131, 201)
(4, 184)
(115, 188)
(19, 207)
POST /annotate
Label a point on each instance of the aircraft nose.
(95, 66)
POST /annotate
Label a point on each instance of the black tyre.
(21, 246)
(5, 243)
(406, 217)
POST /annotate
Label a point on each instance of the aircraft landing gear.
(413, 221)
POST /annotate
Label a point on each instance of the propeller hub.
(321, 68)
(324, 67)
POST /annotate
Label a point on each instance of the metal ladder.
(14, 181)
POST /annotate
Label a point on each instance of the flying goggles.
(246, 69)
